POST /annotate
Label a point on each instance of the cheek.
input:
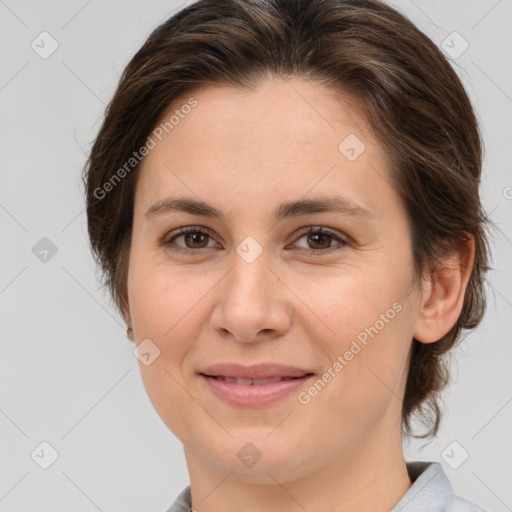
(162, 298)
(163, 308)
(366, 332)
(343, 307)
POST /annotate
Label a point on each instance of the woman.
(284, 200)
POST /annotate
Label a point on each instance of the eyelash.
(305, 232)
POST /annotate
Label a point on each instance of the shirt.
(431, 491)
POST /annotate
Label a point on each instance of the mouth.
(254, 382)
(253, 392)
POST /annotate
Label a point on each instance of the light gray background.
(68, 375)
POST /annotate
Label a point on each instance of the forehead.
(293, 110)
(283, 137)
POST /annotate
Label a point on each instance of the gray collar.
(431, 491)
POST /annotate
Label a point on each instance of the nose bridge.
(251, 300)
(249, 283)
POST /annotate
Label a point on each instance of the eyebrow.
(285, 210)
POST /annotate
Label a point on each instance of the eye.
(193, 238)
(317, 239)
(320, 239)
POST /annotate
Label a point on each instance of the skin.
(245, 153)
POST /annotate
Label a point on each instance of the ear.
(129, 325)
(443, 293)
(129, 333)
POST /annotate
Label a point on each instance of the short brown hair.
(412, 98)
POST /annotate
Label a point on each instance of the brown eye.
(189, 239)
(320, 240)
(195, 240)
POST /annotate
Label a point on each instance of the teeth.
(264, 381)
(249, 382)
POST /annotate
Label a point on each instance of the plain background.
(68, 375)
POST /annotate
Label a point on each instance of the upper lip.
(257, 371)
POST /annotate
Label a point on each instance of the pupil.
(317, 239)
(194, 238)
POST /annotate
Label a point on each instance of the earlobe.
(443, 293)
(129, 328)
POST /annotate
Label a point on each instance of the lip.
(257, 371)
(254, 395)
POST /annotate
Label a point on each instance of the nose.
(251, 303)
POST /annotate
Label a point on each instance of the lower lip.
(254, 395)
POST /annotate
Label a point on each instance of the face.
(323, 287)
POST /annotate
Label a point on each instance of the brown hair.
(413, 100)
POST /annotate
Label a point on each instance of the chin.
(256, 459)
